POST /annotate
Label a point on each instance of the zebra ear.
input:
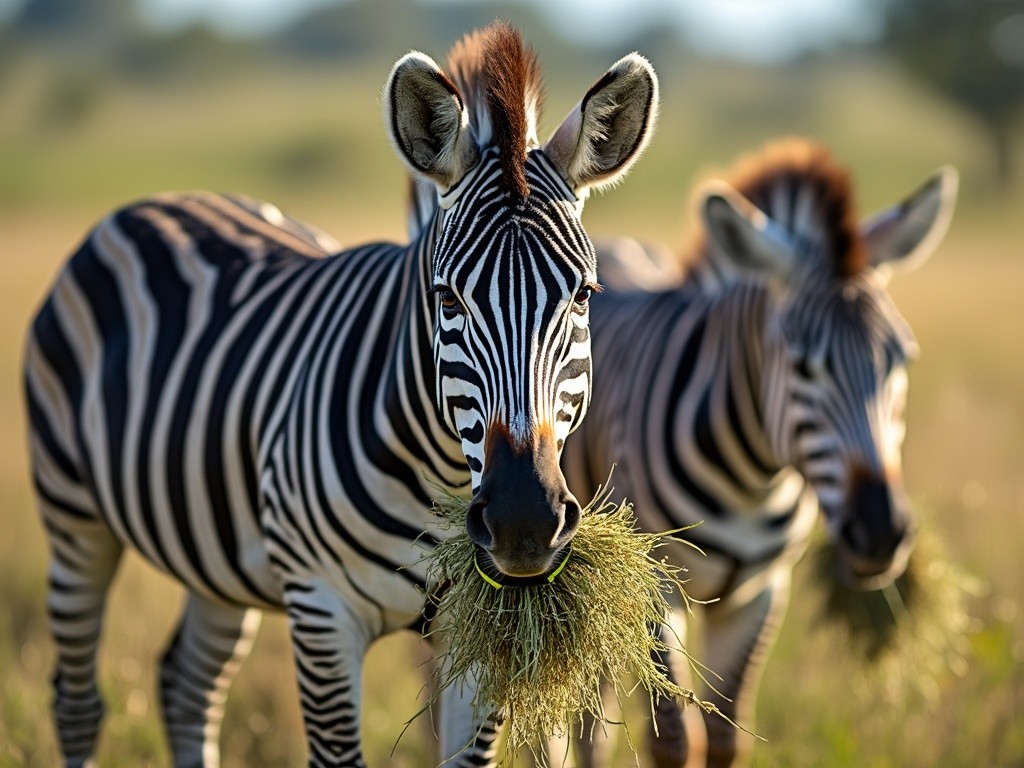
(742, 237)
(428, 122)
(607, 131)
(907, 233)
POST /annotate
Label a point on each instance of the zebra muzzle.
(877, 533)
(523, 516)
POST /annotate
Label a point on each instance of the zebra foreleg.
(668, 743)
(465, 739)
(740, 630)
(588, 744)
(596, 743)
(481, 746)
(209, 646)
(329, 643)
(668, 737)
(84, 557)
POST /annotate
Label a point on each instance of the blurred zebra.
(768, 383)
(267, 421)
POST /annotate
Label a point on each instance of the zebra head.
(836, 349)
(512, 271)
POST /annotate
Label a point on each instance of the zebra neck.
(733, 399)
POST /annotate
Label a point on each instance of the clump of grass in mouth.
(909, 633)
(540, 653)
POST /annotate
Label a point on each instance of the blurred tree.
(75, 23)
(48, 17)
(366, 29)
(973, 52)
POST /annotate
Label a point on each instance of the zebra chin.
(485, 562)
(858, 576)
(866, 573)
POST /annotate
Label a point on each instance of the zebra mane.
(778, 177)
(500, 79)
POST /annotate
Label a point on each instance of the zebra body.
(164, 456)
(268, 421)
(686, 437)
(766, 385)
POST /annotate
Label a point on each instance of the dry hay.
(540, 653)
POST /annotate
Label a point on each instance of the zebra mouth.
(863, 577)
(489, 572)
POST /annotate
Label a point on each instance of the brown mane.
(800, 161)
(499, 74)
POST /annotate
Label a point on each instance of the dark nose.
(877, 524)
(523, 513)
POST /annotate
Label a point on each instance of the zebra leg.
(209, 646)
(329, 641)
(592, 740)
(668, 743)
(596, 743)
(465, 740)
(667, 740)
(740, 631)
(588, 744)
(84, 557)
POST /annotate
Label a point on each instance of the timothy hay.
(909, 634)
(540, 653)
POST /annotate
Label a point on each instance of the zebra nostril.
(476, 524)
(570, 520)
(855, 535)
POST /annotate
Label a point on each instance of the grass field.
(314, 144)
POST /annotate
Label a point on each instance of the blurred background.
(105, 101)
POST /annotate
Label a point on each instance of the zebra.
(767, 384)
(267, 420)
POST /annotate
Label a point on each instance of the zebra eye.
(582, 298)
(803, 368)
(449, 303)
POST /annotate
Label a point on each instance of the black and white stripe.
(763, 382)
(267, 422)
